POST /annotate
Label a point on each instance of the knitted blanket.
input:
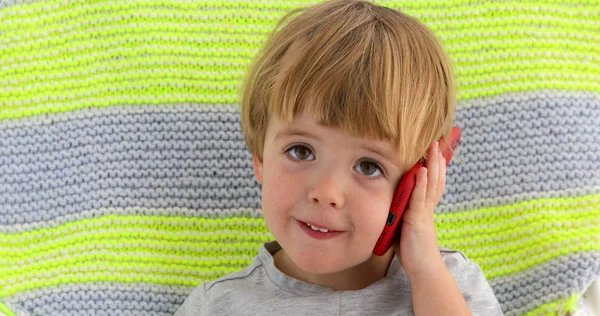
(125, 181)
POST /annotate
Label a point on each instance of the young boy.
(338, 105)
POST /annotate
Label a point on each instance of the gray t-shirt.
(261, 289)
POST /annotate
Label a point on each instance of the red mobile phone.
(391, 230)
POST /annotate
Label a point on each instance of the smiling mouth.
(319, 229)
(319, 233)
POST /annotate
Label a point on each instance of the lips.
(318, 227)
(317, 233)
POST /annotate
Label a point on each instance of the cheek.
(371, 215)
(279, 190)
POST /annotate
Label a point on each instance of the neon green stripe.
(571, 303)
(502, 244)
(168, 223)
(532, 232)
(527, 229)
(558, 307)
(521, 256)
(88, 18)
(106, 86)
(124, 90)
(136, 43)
(512, 222)
(487, 226)
(220, 21)
(456, 9)
(165, 236)
(152, 28)
(525, 260)
(127, 246)
(115, 255)
(167, 241)
(127, 73)
(221, 247)
(46, 252)
(177, 66)
(509, 211)
(16, 13)
(177, 229)
(4, 309)
(198, 261)
(529, 262)
(124, 269)
(122, 70)
(135, 240)
(42, 271)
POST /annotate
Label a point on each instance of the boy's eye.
(368, 168)
(301, 153)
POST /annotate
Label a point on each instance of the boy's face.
(333, 180)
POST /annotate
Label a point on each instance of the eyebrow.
(377, 151)
(292, 131)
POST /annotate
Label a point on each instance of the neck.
(354, 278)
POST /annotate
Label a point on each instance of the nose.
(328, 189)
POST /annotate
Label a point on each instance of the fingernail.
(436, 147)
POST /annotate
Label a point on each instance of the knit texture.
(125, 181)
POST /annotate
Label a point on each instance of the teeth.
(323, 230)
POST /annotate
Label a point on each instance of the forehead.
(308, 124)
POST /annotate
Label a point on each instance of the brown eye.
(368, 168)
(301, 153)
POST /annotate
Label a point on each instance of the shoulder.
(455, 260)
(460, 266)
(237, 279)
(472, 282)
(224, 293)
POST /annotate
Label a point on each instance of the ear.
(258, 168)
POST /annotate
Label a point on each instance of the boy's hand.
(418, 247)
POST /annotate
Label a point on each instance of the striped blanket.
(125, 181)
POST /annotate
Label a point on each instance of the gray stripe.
(10, 3)
(524, 147)
(161, 157)
(548, 282)
(152, 158)
(531, 96)
(101, 298)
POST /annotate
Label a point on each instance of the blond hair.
(370, 70)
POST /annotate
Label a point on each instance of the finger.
(433, 166)
(442, 177)
(417, 199)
